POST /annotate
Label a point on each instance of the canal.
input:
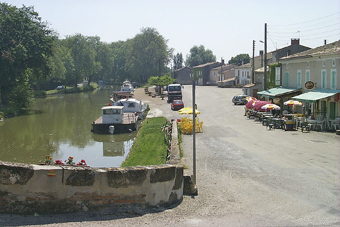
(60, 126)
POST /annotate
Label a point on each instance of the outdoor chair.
(305, 126)
(335, 124)
(270, 124)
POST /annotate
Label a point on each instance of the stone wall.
(28, 189)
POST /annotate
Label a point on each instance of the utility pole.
(253, 68)
(265, 58)
(193, 133)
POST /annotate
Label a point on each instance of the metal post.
(193, 133)
(265, 58)
(253, 62)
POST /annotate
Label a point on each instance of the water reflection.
(60, 126)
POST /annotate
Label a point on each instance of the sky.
(225, 27)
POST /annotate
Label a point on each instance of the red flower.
(59, 162)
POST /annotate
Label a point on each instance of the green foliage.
(145, 153)
(40, 94)
(199, 55)
(25, 45)
(271, 77)
(147, 55)
(178, 61)
(161, 81)
(239, 59)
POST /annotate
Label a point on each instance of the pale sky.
(227, 28)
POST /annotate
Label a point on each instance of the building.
(183, 76)
(201, 73)
(243, 74)
(316, 73)
(273, 57)
(223, 75)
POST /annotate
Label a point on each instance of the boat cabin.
(112, 114)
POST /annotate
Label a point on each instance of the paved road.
(246, 175)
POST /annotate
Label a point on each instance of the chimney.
(295, 42)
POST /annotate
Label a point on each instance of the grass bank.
(149, 147)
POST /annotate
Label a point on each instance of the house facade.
(201, 73)
(243, 74)
(222, 74)
(316, 73)
(183, 76)
(273, 57)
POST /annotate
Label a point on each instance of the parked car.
(239, 99)
(177, 104)
(60, 87)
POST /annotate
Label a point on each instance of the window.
(286, 77)
(298, 83)
(131, 105)
(307, 75)
(333, 79)
(323, 78)
(333, 62)
(323, 63)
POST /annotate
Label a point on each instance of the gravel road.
(246, 175)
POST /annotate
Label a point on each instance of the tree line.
(34, 58)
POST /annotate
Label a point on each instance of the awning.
(278, 92)
(314, 95)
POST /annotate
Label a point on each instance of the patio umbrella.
(251, 104)
(259, 104)
(188, 110)
(293, 103)
(270, 107)
(249, 98)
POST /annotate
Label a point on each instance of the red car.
(177, 104)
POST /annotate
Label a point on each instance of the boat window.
(131, 105)
(115, 111)
(107, 111)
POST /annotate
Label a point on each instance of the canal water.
(60, 126)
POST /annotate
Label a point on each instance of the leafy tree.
(199, 55)
(106, 60)
(239, 59)
(148, 55)
(25, 45)
(83, 53)
(119, 70)
(178, 61)
(161, 81)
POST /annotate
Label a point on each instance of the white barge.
(115, 120)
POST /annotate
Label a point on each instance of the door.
(255, 92)
(323, 108)
(332, 109)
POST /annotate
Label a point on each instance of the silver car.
(239, 99)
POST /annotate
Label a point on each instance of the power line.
(308, 21)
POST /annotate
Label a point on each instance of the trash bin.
(289, 125)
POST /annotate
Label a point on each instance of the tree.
(83, 53)
(199, 55)
(178, 61)
(239, 59)
(148, 55)
(25, 45)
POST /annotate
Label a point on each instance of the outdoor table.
(278, 122)
(312, 123)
